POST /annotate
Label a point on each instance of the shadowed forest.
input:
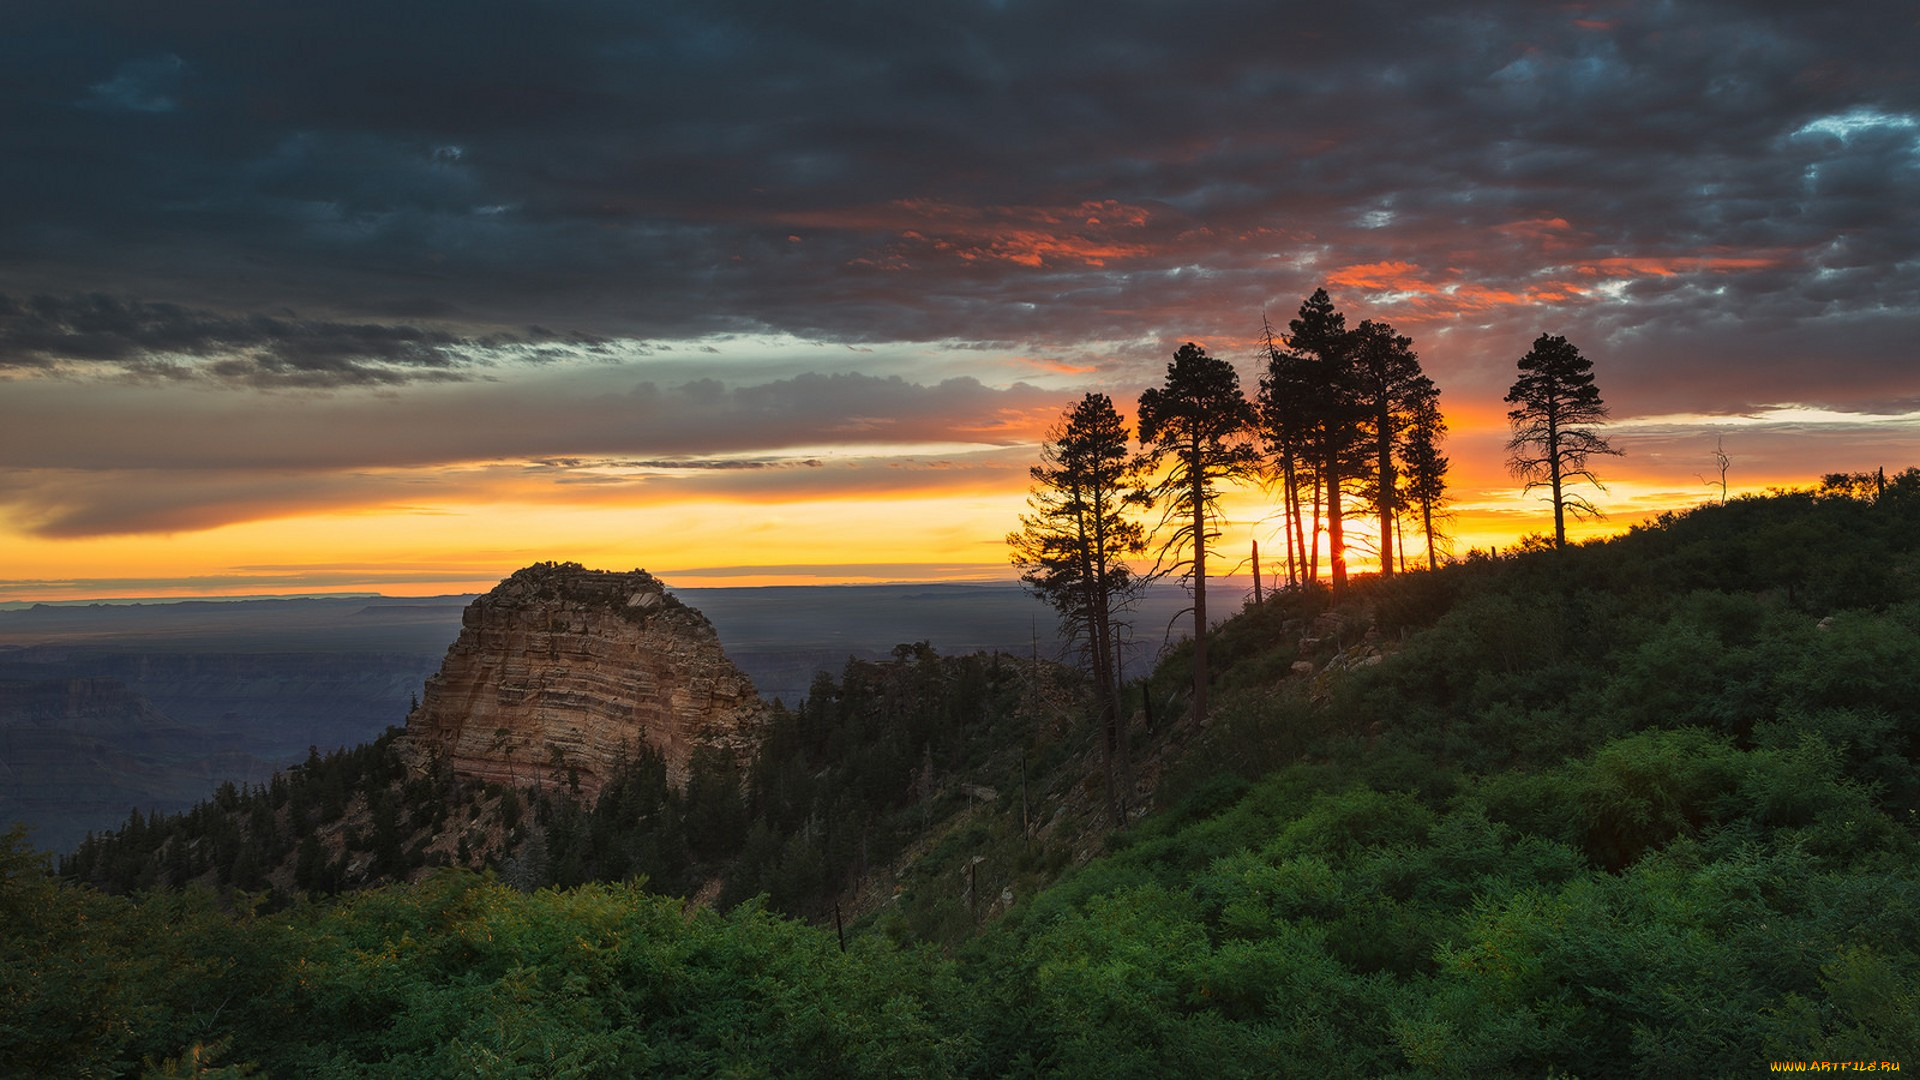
(1635, 807)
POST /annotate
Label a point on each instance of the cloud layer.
(994, 172)
(335, 239)
(136, 459)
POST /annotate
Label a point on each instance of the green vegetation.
(455, 975)
(235, 838)
(1642, 807)
(890, 753)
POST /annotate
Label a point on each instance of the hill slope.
(1642, 807)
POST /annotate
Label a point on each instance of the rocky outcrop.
(561, 671)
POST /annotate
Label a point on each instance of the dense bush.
(1671, 902)
(458, 976)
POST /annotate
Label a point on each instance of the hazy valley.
(108, 707)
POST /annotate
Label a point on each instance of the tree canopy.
(1198, 420)
(1072, 549)
(1342, 407)
(1387, 382)
(1556, 407)
(1424, 481)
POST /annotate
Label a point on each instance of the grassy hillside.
(1644, 807)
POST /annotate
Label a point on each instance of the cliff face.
(560, 670)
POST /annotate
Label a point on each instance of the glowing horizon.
(914, 518)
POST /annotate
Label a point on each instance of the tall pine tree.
(1424, 469)
(1385, 378)
(1072, 550)
(1198, 420)
(1321, 351)
(1284, 422)
(1556, 407)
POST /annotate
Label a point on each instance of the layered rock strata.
(561, 672)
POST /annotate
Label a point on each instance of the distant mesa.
(562, 672)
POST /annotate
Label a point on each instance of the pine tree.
(1284, 423)
(1072, 550)
(310, 866)
(1200, 420)
(1385, 378)
(1319, 340)
(1424, 476)
(1556, 408)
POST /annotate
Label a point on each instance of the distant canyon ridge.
(109, 707)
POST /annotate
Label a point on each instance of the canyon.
(231, 690)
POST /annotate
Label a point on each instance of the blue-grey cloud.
(1722, 176)
(165, 341)
(150, 84)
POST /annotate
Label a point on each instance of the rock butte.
(561, 671)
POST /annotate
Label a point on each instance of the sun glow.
(467, 546)
(754, 486)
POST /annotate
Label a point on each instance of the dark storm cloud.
(151, 84)
(1035, 173)
(168, 341)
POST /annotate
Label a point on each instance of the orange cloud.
(1451, 293)
(1083, 234)
(1535, 227)
(1024, 424)
(1629, 265)
(1398, 276)
(1551, 233)
(1057, 367)
(1448, 297)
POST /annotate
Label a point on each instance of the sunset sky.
(401, 296)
